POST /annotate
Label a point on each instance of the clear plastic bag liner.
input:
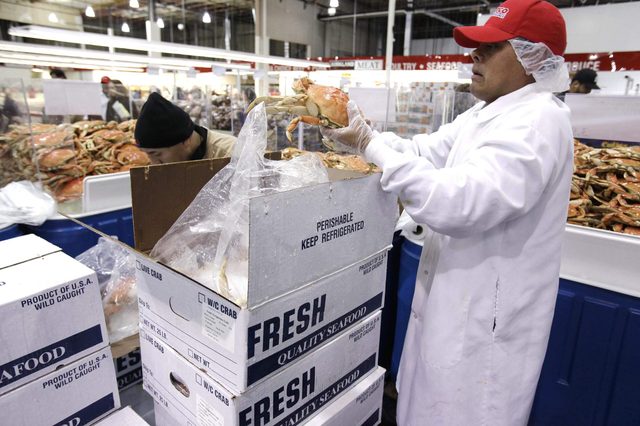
(25, 202)
(549, 70)
(210, 240)
(115, 267)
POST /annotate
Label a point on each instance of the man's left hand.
(356, 136)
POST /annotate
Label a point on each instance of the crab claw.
(268, 100)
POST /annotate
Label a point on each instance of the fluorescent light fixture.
(125, 27)
(206, 18)
(75, 60)
(331, 11)
(334, 3)
(160, 23)
(181, 26)
(71, 52)
(89, 12)
(93, 39)
(53, 18)
(134, 4)
(65, 65)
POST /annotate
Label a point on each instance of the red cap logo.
(501, 12)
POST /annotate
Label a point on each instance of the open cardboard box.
(307, 282)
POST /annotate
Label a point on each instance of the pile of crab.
(62, 155)
(333, 160)
(605, 190)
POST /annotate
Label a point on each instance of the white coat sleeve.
(500, 180)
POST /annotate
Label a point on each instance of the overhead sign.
(369, 64)
(63, 97)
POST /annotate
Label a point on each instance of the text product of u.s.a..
(77, 394)
(50, 310)
(241, 347)
(290, 397)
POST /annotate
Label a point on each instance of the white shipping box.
(128, 369)
(77, 394)
(295, 237)
(289, 397)
(50, 310)
(359, 406)
(241, 347)
(123, 417)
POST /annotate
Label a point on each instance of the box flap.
(24, 248)
(160, 194)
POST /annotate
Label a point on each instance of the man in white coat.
(493, 188)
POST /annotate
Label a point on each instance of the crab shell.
(331, 101)
(70, 190)
(56, 158)
(132, 155)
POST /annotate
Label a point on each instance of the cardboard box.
(123, 417)
(128, 369)
(241, 347)
(295, 237)
(359, 406)
(77, 394)
(50, 310)
(289, 397)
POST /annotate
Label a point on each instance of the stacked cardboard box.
(310, 330)
(55, 361)
(123, 417)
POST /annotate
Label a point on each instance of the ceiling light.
(134, 4)
(334, 3)
(47, 63)
(94, 39)
(331, 11)
(53, 18)
(72, 52)
(181, 26)
(125, 27)
(206, 18)
(160, 23)
(75, 60)
(89, 12)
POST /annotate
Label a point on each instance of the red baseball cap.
(535, 20)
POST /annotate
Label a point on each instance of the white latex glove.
(355, 137)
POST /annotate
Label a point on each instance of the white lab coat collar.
(504, 103)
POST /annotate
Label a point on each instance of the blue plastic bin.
(73, 239)
(10, 231)
(409, 259)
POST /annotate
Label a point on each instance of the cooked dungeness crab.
(313, 104)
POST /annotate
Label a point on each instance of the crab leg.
(305, 119)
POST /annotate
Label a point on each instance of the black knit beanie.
(162, 124)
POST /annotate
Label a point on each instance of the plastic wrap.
(25, 202)
(115, 267)
(210, 240)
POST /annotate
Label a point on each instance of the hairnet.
(538, 60)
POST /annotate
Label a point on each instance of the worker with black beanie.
(167, 134)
